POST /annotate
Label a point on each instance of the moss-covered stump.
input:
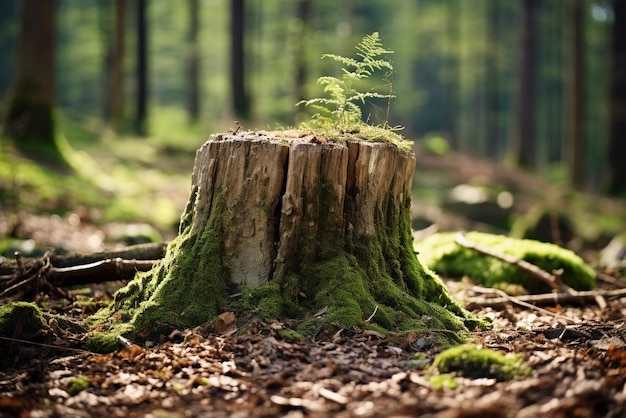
(442, 254)
(296, 228)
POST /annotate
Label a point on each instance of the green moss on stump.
(181, 291)
(349, 281)
(442, 254)
(331, 278)
(475, 362)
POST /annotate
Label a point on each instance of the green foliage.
(112, 176)
(341, 111)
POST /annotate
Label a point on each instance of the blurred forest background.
(538, 84)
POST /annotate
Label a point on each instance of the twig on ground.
(540, 299)
(369, 319)
(55, 347)
(505, 299)
(613, 281)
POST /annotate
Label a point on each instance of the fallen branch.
(505, 299)
(151, 251)
(99, 271)
(580, 297)
(50, 271)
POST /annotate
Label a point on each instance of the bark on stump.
(296, 227)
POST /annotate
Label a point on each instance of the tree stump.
(294, 227)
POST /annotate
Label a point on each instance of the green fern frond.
(350, 62)
(340, 110)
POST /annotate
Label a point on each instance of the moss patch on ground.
(475, 362)
(442, 254)
(77, 385)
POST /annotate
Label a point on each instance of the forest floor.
(578, 362)
(577, 355)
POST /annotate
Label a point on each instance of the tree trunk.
(115, 68)
(193, 62)
(574, 96)
(30, 109)
(303, 16)
(617, 144)
(523, 135)
(492, 77)
(298, 227)
(142, 68)
(241, 101)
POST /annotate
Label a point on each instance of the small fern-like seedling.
(341, 110)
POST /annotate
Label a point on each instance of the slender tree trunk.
(142, 68)
(303, 14)
(8, 17)
(115, 69)
(617, 139)
(193, 88)
(574, 97)
(452, 70)
(523, 135)
(492, 57)
(30, 109)
(241, 101)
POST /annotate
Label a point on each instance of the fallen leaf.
(226, 323)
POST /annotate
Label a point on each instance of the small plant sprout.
(340, 113)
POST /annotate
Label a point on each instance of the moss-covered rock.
(19, 321)
(475, 362)
(442, 254)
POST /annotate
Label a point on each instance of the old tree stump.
(282, 225)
